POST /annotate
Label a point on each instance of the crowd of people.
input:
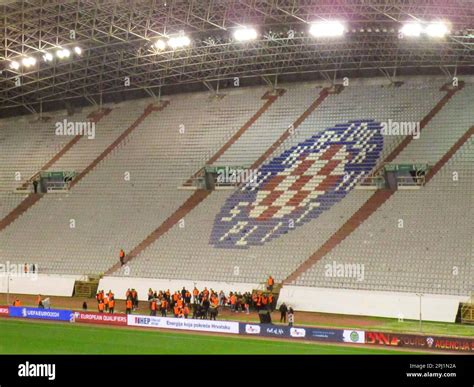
(200, 304)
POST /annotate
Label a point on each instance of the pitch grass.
(26, 337)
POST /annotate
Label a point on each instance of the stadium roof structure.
(117, 39)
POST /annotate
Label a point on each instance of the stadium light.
(436, 30)
(14, 65)
(48, 57)
(160, 44)
(327, 29)
(28, 61)
(245, 34)
(78, 50)
(64, 53)
(412, 29)
(179, 42)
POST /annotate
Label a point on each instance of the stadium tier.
(310, 146)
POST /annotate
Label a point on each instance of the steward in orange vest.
(111, 305)
(176, 310)
(195, 295)
(164, 307)
(270, 283)
(187, 297)
(128, 306)
(153, 307)
(101, 307)
(186, 311)
(259, 301)
(122, 257)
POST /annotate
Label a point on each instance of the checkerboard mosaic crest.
(298, 185)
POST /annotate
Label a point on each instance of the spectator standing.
(186, 310)
(111, 305)
(270, 283)
(122, 257)
(106, 303)
(283, 312)
(153, 307)
(35, 186)
(195, 295)
(291, 317)
(134, 294)
(128, 306)
(163, 307)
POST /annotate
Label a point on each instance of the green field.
(26, 337)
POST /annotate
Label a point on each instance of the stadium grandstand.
(212, 144)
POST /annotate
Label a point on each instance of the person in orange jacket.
(134, 299)
(128, 306)
(270, 302)
(195, 295)
(106, 303)
(270, 283)
(111, 305)
(153, 307)
(122, 257)
(233, 302)
(186, 311)
(163, 307)
(176, 310)
(101, 306)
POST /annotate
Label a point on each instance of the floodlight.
(245, 34)
(14, 65)
(327, 29)
(412, 29)
(436, 30)
(179, 42)
(28, 61)
(160, 44)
